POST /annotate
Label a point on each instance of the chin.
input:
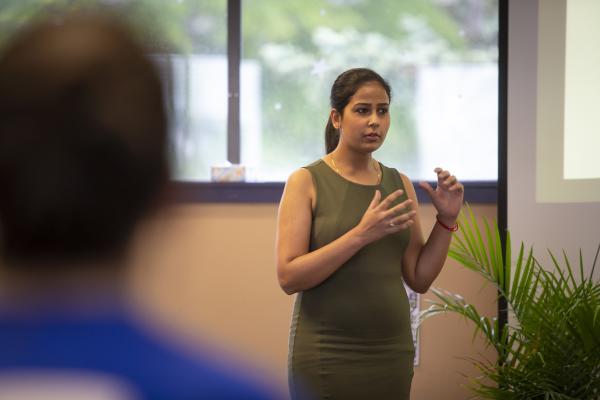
(371, 147)
(365, 147)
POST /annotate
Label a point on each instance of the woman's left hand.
(447, 197)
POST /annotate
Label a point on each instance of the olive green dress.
(350, 336)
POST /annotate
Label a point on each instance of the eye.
(362, 110)
(382, 110)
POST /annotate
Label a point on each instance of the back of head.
(82, 140)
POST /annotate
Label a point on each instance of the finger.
(387, 202)
(375, 201)
(399, 227)
(427, 187)
(451, 180)
(398, 209)
(401, 219)
(442, 176)
(457, 187)
(437, 170)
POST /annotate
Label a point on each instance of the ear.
(336, 118)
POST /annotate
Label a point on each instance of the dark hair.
(344, 87)
(83, 140)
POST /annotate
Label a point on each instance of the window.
(440, 57)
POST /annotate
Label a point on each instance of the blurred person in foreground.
(83, 147)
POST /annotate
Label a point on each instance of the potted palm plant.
(550, 348)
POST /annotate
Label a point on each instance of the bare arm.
(297, 268)
(423, 261)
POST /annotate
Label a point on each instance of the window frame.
(481, 192)
(486, 192)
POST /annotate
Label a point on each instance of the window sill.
(270, 192)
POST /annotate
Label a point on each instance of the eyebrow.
(369, 104)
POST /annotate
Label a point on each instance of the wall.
(563, 225)
(208, 271)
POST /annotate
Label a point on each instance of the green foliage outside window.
(301, 46)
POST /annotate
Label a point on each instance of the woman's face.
(366, 119)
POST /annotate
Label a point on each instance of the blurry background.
(206, 272)
(440, 57)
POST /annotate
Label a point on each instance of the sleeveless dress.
(350, 336)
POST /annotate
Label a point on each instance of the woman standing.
(348, 236)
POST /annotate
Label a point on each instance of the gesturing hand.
(380, 220)
(447, 197)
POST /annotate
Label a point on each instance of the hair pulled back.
(344, 87)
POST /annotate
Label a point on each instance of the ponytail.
(332, 137)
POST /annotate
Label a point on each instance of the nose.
(373, 119)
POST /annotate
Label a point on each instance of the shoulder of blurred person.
(83, 159)
(54, 350)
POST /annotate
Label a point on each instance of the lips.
(372, 136)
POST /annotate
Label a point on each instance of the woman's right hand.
(380, 220)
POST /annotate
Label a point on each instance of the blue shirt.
(115, 344)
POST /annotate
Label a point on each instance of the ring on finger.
(392, 224)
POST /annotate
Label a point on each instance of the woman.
(348, 237)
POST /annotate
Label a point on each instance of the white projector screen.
(582, 90)
(568, 132)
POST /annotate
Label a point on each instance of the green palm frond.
(552, 350)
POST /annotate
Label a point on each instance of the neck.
(352, 162)
(359, 168)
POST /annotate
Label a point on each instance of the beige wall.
(208, 271)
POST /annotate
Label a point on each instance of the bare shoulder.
(405, 179)
(301, 177)
(300, 185)
(408, 185)
(300, 181)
